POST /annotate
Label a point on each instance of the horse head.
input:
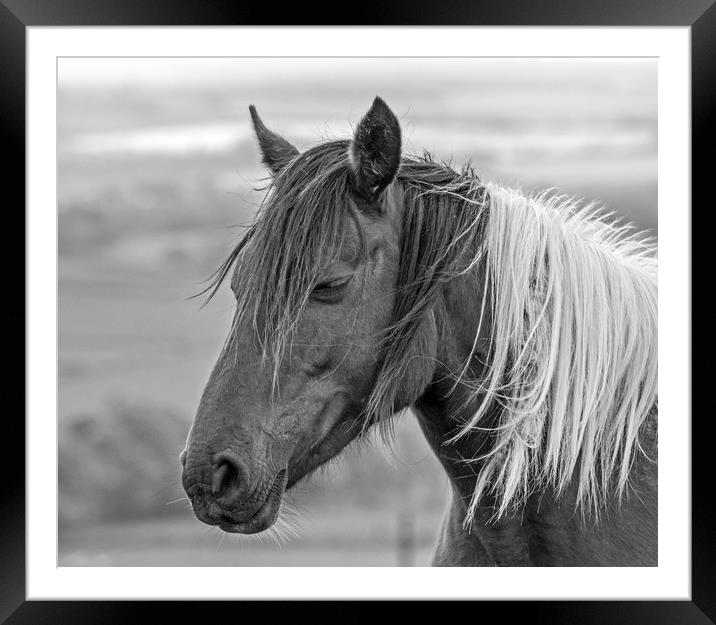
(314, 281)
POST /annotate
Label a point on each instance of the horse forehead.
(350, 245)
(362, 232)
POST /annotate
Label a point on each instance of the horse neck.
(445, 405)
(545, 527)
(546, 517)
(441, 410)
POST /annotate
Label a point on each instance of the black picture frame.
(16, 15)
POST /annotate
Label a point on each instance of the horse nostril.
(229, 481)
(221, 477)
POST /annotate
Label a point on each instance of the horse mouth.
(266, 514)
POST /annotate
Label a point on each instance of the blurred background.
(157, 167)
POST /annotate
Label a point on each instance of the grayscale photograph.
(357, 311)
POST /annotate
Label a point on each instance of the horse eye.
(331, 289)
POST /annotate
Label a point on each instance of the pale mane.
(573, 300)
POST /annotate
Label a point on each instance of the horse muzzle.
(222, 494)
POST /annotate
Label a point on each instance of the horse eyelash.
(336, 284)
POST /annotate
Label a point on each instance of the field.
(157, 168)
(332, 535)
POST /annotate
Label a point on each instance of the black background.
(16, 15)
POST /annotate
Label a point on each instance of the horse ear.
(276, 152)
(374, 152)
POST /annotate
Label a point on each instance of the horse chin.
(263, 518)
(340, 435)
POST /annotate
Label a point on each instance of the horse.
(519, 329)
